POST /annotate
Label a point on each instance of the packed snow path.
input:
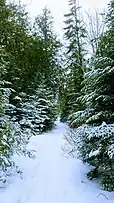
(51, 177)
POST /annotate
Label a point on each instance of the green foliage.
(36, 112)
(95, 145)
(43, 30)
(110, 15)
(100, 154)
(28, 59)
(74, 33)
(99, 93)
(98, 90)
(1, 103)
(78, 118)
(6, 146)
(46, 105)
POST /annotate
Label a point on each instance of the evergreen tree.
(43, 29)
(98, 88)
(74, 34)
(6, 137)
(99, 94)
(110, 15)
(26, 62)
(95, 144)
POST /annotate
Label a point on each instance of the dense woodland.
(41, 78)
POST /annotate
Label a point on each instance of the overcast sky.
(59, 8)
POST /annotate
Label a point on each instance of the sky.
(59, 8)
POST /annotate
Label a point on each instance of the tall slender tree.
(74, 33)
(96, 144)
(43, 29)
(110, 15)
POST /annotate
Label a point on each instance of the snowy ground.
(51, 177)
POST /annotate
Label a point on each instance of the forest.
(43, 77)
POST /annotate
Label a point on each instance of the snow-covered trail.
(51, 177)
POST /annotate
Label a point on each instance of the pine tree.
(26, 107)
(99, 80)
(6, 137)
(74, 35)
(37, 110)
(98, 89)
(43, 29)
(95, 143)
(110, 15)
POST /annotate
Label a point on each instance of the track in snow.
(51, 177)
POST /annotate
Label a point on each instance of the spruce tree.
(98, 88)
(110, 15)
(99, 80)
(95, 143)
(43, 30)
(26, 106)
(74, 33)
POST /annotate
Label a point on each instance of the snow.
(51, 177)
(94, 153)
(111, 151)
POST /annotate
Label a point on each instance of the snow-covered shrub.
(75, 138)
(78, 118)
(27, 115)
(98, 96)
(34, 111)
(95, 145)
(6, 136)
(99, 91)
(1, 104)
(45, 105)
(12, 140)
